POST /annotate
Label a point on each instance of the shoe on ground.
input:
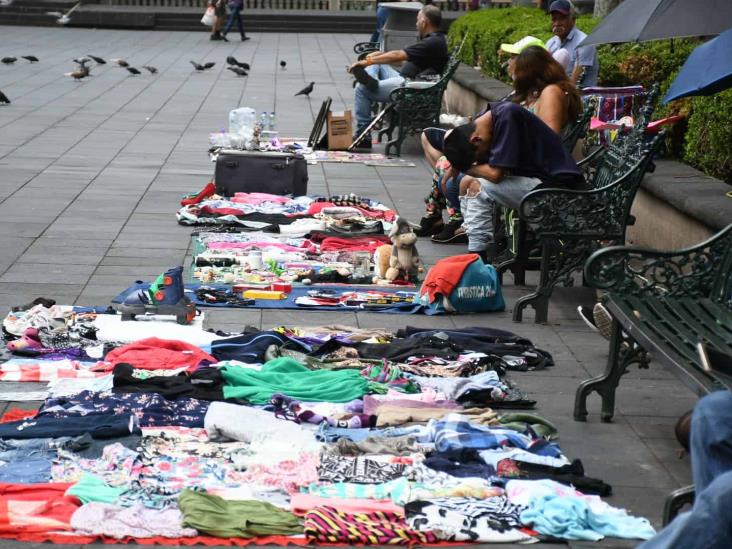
(365, 78)
(429, 225)
(245, 38)
(603, 320)
(451, 233)
(216, 36)
(364, 144)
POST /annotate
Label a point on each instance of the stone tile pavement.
(91, 173)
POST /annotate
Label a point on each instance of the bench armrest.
(703, 270)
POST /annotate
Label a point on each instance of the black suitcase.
(260, 172)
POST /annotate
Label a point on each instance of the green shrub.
(709, 137)
(704, 140)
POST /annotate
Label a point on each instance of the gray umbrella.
(642, 20)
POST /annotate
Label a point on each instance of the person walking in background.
(235, 7)
(382, 14)
(220, 11)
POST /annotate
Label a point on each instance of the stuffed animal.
(401, 259)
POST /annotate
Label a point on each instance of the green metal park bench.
(570, 225)
(412, 109)
(663, 304)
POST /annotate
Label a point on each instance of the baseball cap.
(561, 6)
(522, 44)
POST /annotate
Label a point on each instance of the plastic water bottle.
(263, 121)
(242, 120)
(272, 121)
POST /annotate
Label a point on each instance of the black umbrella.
(642, 20)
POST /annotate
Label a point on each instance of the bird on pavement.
(121, 62)
(81, 61)
(31, 58)
(197, 66)
(9, 60)
(232, 61)
(283, 64)
(133, 71)
(306, 90)
(150, 68)
(4, 99)
(97, 60)
(209, 65)
(239, 71)
(79, 74)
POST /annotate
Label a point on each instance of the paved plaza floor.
(91, 174)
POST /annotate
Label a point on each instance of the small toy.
(401, 259)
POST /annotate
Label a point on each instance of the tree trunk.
(603, 7)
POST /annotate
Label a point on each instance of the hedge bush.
(704, 140)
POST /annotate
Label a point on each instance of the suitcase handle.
(276, 166)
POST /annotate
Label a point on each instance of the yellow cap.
(522, 44)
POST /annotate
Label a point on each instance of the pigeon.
(4, 99)
(150, 68)
(9, 60)
(79, 74)
(283, 64)
(197, 66)
(232, 61)
(31, 58)
(81, 61)
(307, 89)
(121, 62)
(239, 71)
(133, 70)
(209, 65)
(97, 60)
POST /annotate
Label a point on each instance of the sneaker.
(245, 38)
(216, 36)
(223, 37)
(364, 143)
(365, 78)
(451, 233)
(586, 316)
(429, 225)
(603, 320)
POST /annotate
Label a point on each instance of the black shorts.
(435, 137)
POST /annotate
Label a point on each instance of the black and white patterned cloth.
(490, 520)
(360, 470)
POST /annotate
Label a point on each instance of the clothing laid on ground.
(99, 426)
(230, 519)
(203, 384)
(137, 521)
(159, 354)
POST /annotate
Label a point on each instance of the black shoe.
(245, 38)
(451, 233)
(364, 143)
(430, 225)
(216, 36)
(488, 256)
(365, 78)
(223, 37)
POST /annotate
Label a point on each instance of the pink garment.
(373, 407)
(289, 475)
(103, 519)
(307, 246)
(301, 504)
(259, 198)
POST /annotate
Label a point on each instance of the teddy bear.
(400, 259)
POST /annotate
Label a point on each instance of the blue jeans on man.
(234, 15)
(389, 80)
(708, 524)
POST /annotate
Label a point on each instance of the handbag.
(209, 16)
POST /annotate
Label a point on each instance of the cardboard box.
(340, 135)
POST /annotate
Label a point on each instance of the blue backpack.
(478, 291)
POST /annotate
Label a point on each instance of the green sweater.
(289, 377)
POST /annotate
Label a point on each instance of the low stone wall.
(676, 206)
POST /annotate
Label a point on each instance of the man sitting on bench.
(377, 79)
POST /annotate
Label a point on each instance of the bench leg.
(623, 352)
(396, 142)
(517, 264)
(675, 501)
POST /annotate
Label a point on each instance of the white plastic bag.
(209, 17)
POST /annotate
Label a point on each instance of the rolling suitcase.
(260, 172)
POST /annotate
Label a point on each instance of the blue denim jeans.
(389, 80)
(235, 15)
(326, 433)
(708, 524)
(382, 14)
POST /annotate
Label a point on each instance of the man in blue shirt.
(505, 153)
(583, 64)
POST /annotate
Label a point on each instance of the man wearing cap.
(583, 63)
(505, 153)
